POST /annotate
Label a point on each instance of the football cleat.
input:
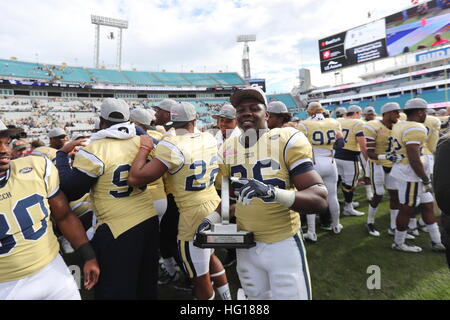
(310, 236)
(372, 231)
(355, 204)
(414, 232)
(437, 247)
(391, 232)
(166, 278)
(406, 248)
(350, 211)
(422, 226)
(326, 228)
(338, 229)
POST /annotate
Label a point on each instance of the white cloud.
(184, 35)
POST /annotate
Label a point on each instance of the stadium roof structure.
(66, 74)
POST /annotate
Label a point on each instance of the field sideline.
(338, 265)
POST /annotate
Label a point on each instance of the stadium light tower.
(246, 56)
(109, 22)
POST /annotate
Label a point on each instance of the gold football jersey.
(321, 134)
(270, 160)
(115, 203)
(27, 241)
(350, 128)
(376, 131)
(407, 132)
(193, 167)
(81, 206)
(48, 152)
(433, 125)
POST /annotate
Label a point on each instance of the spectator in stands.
(370, 114)
(439, 40)
(279, 115)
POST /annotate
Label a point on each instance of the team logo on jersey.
(275, 137)
(26, 170)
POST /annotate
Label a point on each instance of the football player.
(279, 115)
(414, 184)
(369, 114)
(267, 165)
(340, 113)
(379, 144)
(433, 125)
(190, 158)
(30, 266)
(58, 138)
(127, 235)
(226, 121)
(347, 158)
(324, 135)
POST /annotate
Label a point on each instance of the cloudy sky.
(185, 35)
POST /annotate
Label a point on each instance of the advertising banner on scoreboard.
(423, 26)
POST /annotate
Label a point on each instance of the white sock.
(335, 218)
(394, 214)
(412, 224)
(372, 214)
(311, 218)
(433, 231)
(421, 222)
(224, 292)
(169, 265)
(400, 237)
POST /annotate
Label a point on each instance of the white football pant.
(275, 271)
(53, 282)
(379, 179)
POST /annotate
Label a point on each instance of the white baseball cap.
(354, 108)
(111, 105)
(248, 93)
(416, 103)
(181, 114)
(341, 111)
(166, 105)
(142, 116)
(227, 111)
(370, 110)
(390, 106)
(57, 132)
(277, 107)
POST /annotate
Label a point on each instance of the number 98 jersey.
(321, 134)
(114, 202)
(192, 165)
(27, 241)
(274, 159)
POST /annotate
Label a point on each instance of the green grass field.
(428, 41)
(338, 265)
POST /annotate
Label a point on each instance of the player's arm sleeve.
(371, 135)
(302, 128)
(170, 155)
(415, 135)
(74, 182)
(298, 155)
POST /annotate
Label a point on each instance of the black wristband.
(86, 251)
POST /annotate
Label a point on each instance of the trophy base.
(225, 236)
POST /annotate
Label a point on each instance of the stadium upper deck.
(65, 74)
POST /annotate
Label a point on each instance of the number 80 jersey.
(27, 241)
(274, 159)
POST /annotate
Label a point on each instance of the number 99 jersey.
(192, 165)
(274, 159)
(114, 202)
(27, 241)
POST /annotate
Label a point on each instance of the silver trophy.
(225, 234)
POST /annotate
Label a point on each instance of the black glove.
(247, 189)
(205, 225)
